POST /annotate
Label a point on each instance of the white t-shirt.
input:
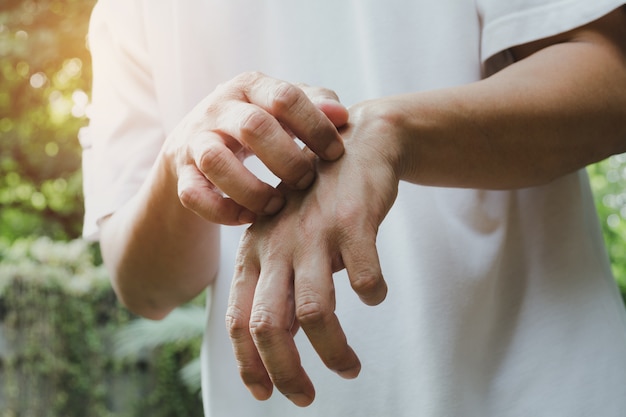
(501, 303)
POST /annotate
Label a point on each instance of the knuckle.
(213, 158)
(254, 124)
(312, 313)
(285, 97)
(189, 197)
(263, 327)
(236, 323)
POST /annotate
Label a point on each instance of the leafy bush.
(177, 338)
(58, 318)
(184, 325)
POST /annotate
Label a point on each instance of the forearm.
(159, 254)
(549, 114)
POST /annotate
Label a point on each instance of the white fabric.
(501, 303)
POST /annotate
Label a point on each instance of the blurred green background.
(46, 76)
(66, 347)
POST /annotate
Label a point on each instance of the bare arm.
(559, 108)
(159, 253)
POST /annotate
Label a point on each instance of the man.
(468, 128)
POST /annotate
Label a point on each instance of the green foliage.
(171, 398)
(183, 326)
(57, 309)
(608, 180)
(58, 320)
(54, 294)
(45, 79)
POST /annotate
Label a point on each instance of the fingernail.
(350, 373)
(334, 150)
(260, 392)
(301, 400)
(274, 205)
(306, 181)
(246, 216)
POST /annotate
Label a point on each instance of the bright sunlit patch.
(71, 70)
(38, 80)
(52, 149)
(81, 100)
(60, 107)
(38, 200)
(613, 221)
(21, 35)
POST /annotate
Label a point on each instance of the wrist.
(382, 127)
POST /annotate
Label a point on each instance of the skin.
(162, 247)
(560, 107)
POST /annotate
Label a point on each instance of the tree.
(46, 75)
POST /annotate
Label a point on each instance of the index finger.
(292, 107)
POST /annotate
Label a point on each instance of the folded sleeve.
(514, 22)
(124, 134)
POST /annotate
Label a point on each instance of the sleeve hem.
(541, 22)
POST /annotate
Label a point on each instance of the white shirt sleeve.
(515, 22)
(124, 135)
